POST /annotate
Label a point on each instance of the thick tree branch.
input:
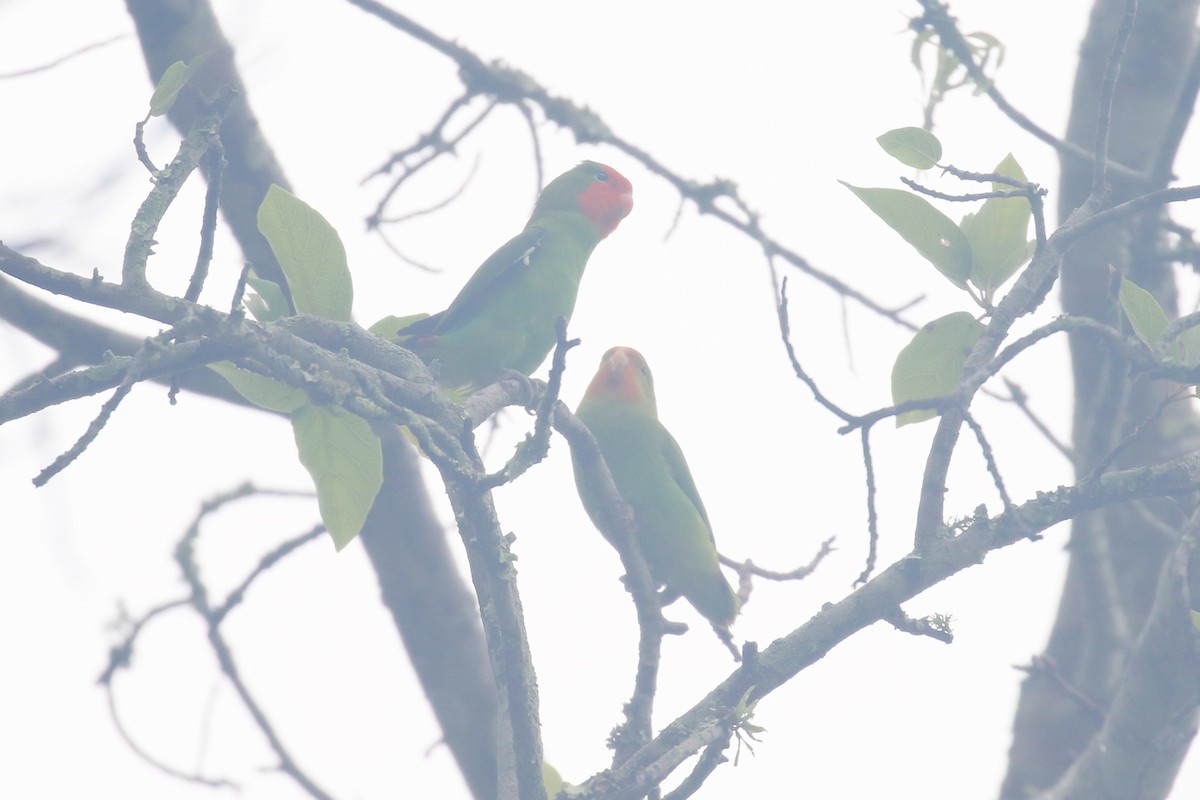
(709, 720)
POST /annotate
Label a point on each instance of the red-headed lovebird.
(652, 476)
(503, 318)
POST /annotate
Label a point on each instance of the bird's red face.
(607, 200)
(623, 376)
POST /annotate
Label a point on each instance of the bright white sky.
(779, 100)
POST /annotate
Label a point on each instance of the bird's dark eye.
(601, 175)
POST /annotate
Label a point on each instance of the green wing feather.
(683, 475)
(475, 294)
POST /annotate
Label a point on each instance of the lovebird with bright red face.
(503, 318)
(652, 476)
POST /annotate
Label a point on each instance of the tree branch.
(707, 721)
(512, 87)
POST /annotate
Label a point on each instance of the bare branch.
(705, 723)
(132, 375)
(1108, 89)
(534, 447)
(937, 16)
(167, 183)
(185, 556)
(506, 85)
(748, 567)
(989, 459)
(1045, 665)
(215, 158)
(1021, 400)
(49, 65)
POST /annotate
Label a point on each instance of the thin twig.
(937, 16)
(1135, 434)
(167, 183)
(269, 560)
(510, 86)
(748, 567)
(989, 459)
(961, 198)
(140, 752)
(1182, 113)
(133, 373)
(534, 447)
(436, 144)
(1108, 89)
(208, 225)
(712, 757)
(536, 140)
(1021, 400)
(185, 557)
(438, 206)
(429, 139)
(49, 65)
(785, 333)
(872, 512)
(1047, 667)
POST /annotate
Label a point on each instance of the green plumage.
(503, 318)
(652, 476)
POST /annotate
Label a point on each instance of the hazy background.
(784, 100)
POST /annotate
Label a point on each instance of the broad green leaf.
(1144, 313)
(388, 326)
(932, 233)
(264, 392)
(1149, 321)
(915, 147)
(929, 366)
(345, 460)
(310, 253)
(268, 303)
(1189, 342)
(551, 780)
(174, 78)
(998, 233)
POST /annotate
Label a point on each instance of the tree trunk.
(1116, 555)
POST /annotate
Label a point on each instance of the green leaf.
(345, 460)
(915, 147)
(174, 78)
(388, 326)
(552, 781)
(998, 233)
(1144, 313)
(268, 303)
(1196, 620)
(1189, 342)
(310, 253)
(264, 392)
(1149, 321)
(932, 233)
(929, 366)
